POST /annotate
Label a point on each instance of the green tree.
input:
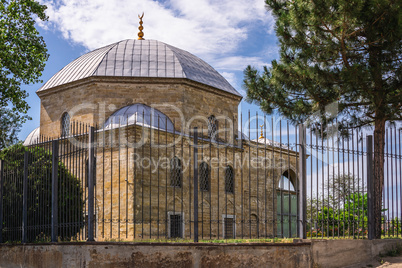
(10, 125)
(70, 196)
(344, 51)
(23, 55)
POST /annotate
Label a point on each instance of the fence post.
(91, 168)
(370, 188)
(195, 184)
(302, 183)
(1, 198)
(25, 199)
(55, 189)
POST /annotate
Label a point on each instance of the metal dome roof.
(139, 114)
(140, 58)
(33, 137)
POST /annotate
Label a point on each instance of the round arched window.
(176, 174)
(212, 127)
(204, 174)
(65, 125)
(229, 180)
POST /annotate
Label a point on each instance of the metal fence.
(146, 181)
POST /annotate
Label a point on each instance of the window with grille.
(176, 174)
(65, 125)
(176, 225)
(228, 226)
(204, 174)
(212, 127)
(229, 180)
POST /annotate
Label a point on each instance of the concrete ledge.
(342, 253)
(104, 254)
(302, 253)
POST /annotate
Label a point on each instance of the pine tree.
(344, 51)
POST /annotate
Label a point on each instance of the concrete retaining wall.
(102, 255)
(342, 253)
(303, 253)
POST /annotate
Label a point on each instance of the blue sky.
(228, 34)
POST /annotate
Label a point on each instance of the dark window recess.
(212, 127)
(204, 176)
(229, 228)
(176, 174)
(65, 125)
(176, 226)
(229, 179)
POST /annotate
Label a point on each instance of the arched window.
(176, 174)
(65, 125)
(285, 183)
(204, 176)
(286, 205)
(212, 127)
(229, 180)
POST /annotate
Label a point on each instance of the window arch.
(212, 127)
(229, 179)
(286, 182)
(286, 205)
(65, 125)
(176, 172)
(204, 176)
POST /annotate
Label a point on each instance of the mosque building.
(134, 87)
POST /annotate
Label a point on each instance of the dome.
(139, 114)
(33, 137)
(140, 58)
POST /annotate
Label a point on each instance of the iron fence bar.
(25, 199)
(91, 168)
(226, 182)
(265, 178)
(274, 209)
(209, 186)
(241, 176)
(281, 190)
(150, 175)
(289, 178)
(249, 175)
(396, 184)
(2, 177)
(302, 194)
(55, 162)
(392, 189)
(386, 189)
(257, 180)
(370, 187)
(158, 220)
(126, 184)
(202, 190)
(195, 182)
(234, 177)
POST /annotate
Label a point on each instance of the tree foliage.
(70, 196)
(23, 55)
(10, 125)
(336, 51)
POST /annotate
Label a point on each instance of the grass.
(219, 241)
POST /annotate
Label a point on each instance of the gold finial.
(262, 135)
(141, 34)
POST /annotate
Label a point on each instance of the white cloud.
(231, 78)
(203, 27)
(238, 63)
